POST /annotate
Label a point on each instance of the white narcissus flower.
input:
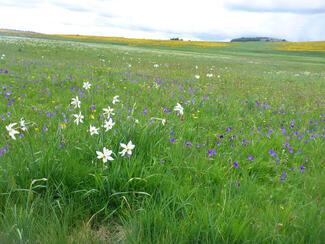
(163, 121)
(108, 124)
(22, 124)
(12, 131)
(75, 102)
(156, 65)
(197, 76)
(79, 118)
(179, 109)
(93, 130)
(105, 155)
(86, 85)
(209, 75)
(127, 149)
(115, 99)
(108, 111)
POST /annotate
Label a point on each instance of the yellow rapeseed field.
(302, 46)
(140, 42)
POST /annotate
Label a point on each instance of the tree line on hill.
(258, 39)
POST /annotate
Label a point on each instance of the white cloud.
(287, 6)
(191, 19)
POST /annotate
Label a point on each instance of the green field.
(243, 164)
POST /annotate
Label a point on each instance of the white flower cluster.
(13, 128)
(108, 112)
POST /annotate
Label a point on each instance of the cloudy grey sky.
(295, 20)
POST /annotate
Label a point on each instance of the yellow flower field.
(302, 46)
(149, 42)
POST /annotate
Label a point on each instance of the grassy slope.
(165, 193)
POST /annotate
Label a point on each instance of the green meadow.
(240, 159)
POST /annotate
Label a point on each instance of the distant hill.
(10, 32)
(17, 31)
(257, 39)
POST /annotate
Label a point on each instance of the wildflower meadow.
(105, 142)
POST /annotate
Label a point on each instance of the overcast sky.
(295, 20)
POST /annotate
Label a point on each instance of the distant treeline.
(257, 39)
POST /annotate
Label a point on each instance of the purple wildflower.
(283, 176)
(236, 165)
(212, 152)
(81, 94)
(4, 150)
(145, 111)
(50, 115)
(11, 102)
(158, 82)
(250, 158)
(288, 147)
(273, 153)
(313, 136)
(302, 168)
(167, 110)
(266, 106)
(8, 94)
